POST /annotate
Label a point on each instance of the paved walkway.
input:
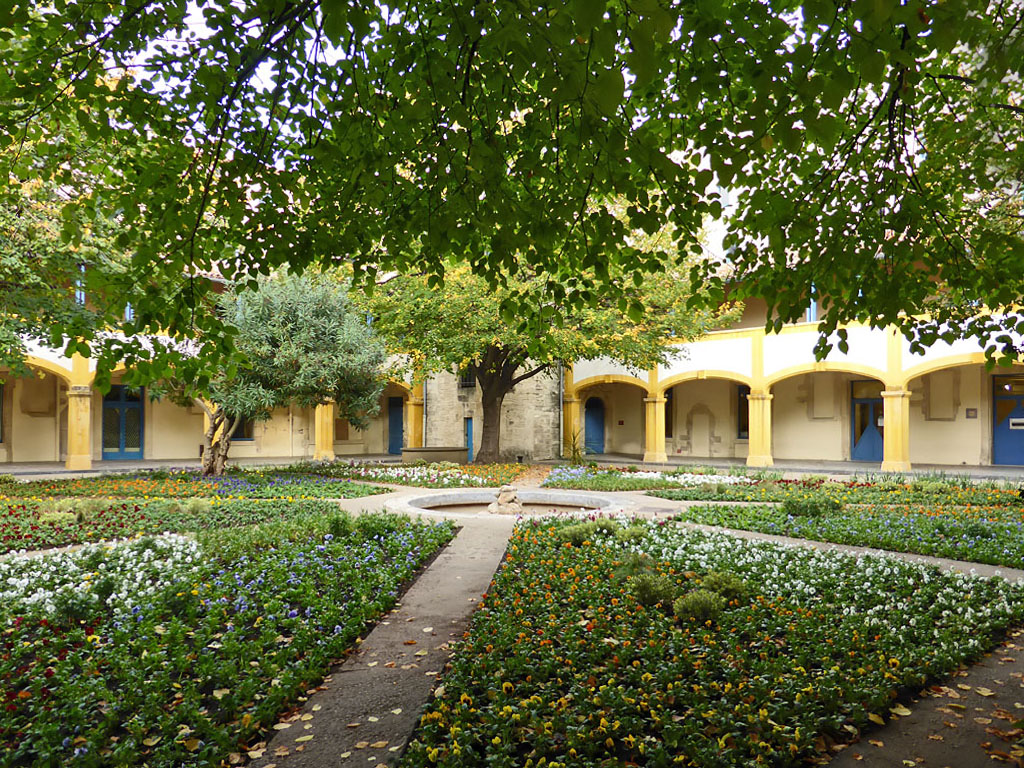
(369, 706)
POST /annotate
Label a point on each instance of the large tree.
(301, 343)
(462, 326)
(856, 135)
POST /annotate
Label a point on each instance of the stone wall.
(530, 416)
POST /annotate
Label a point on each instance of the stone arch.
(682, 378)
(610, 378)
(854, 369)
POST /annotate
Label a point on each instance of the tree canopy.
(867, 144)
(462, 326)
(301, 344)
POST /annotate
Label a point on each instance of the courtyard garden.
(616, 643)
(166, 650)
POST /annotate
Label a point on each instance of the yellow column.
(654, 442)
(323, 424)
(759, 451)
(571, 433)
(414, 416)
(896, 430)
(654, 412)
(79, 415)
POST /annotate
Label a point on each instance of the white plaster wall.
(710, 353)
(51, 355)
(35, 419)
(938, 350)
(288, 433)
(623, 417)
(705, 420)
(952, 438)
(170, 431)
(603, 366)
(785, 350)
(796, 433)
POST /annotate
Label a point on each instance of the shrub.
(700, 606)
(198, 506)
(810, 507)
(632, 534)
(8, 480)
(651, 589)
(728, 585)
(578, 533)
(56, 517)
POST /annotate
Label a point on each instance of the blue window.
(129, 312)
(812, 308)
(80, 286)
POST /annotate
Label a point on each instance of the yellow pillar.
(896, 430)
(654, 420)
(323, 425)
(79, 415)
(414, 416)
(571, 432)
(654, 438)
(759, 452)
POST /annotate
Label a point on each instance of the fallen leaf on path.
(983, 720)
(282, 726)
(876, 742)
(379, 744)
(877, 719)
(900, 710)
(935, 737)
(410, 642)
(373, 719)
(362, 744)
(281, 752)
(307, 737)
(428, 629)
(396, 711)
(984, 691)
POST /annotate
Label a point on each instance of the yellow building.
(736, 394)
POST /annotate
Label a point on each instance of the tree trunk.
(217, 442)
(490, 432)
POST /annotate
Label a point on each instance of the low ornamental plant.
(991, 535)
(435, 475)
(168, 651)
(31, 525)
(242, 484)
(562, 668)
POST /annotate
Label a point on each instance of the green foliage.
(810, 506)
(699, 606)
(302, 344)
(496, 128)
(578, 533)
(728, 585)
(651, 589)
(632, 534)
(414, 314)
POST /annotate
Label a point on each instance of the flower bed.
(33, 524)
(592, 479)
(437, 475)
(993, 535)
(853, 492)
(565, 665)
(170, 652)
(242, 484)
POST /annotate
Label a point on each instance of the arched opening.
(613, 418)
(831, 415)
(707, 417)
(593, 425)
(33, 414)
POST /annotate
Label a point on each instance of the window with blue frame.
(80, 286)
(246, 430)
(812, 308)
(129, 312)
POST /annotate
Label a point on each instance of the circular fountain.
(506, 501)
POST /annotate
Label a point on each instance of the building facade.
(738, 393)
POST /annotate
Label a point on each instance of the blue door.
(122, 423)
(1008, 420)
(395, 427)
(468, 425)
(593, 426)
(866, 429)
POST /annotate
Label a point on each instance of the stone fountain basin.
(475, 501)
